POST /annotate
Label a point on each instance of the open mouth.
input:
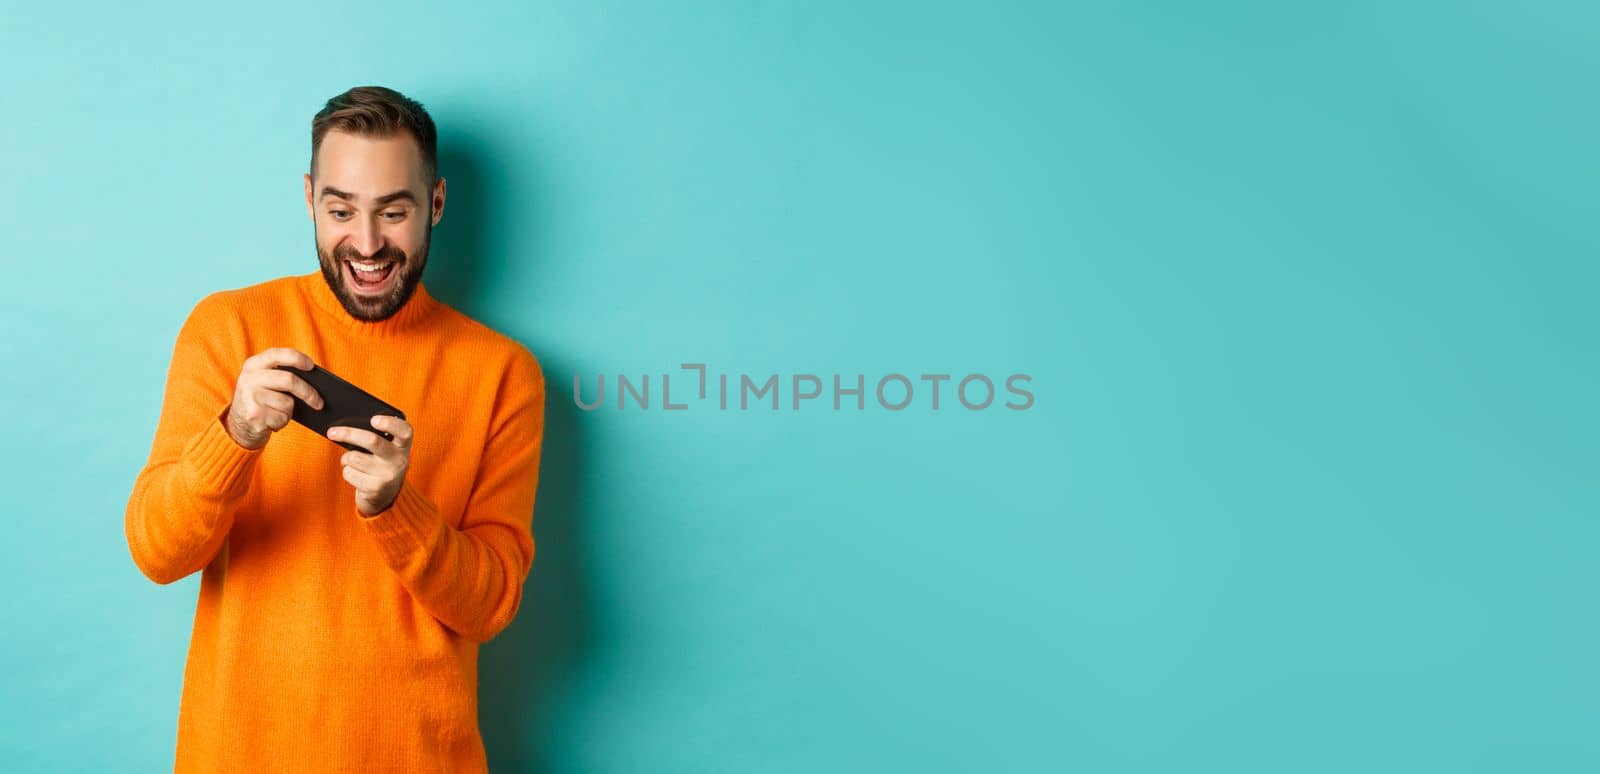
(370, 278)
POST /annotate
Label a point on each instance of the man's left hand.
(377, 476)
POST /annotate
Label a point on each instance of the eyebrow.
(329, 190)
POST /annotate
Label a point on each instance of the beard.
(367, 308)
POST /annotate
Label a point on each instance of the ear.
(310, 210)
(438, 201)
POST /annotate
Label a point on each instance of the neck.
(415, 312)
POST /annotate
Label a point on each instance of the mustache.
(387, 253)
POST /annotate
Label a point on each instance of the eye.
(339, 214)
(394, 216)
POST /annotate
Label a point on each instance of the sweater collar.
(417, 310)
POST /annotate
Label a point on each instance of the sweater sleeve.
(471, 578)
(184, 499)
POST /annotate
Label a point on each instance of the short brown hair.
(375, 111)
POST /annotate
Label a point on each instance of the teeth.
(368, 266)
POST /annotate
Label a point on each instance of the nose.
(367, 240)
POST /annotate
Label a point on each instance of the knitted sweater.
(325, 640)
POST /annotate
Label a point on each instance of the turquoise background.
(1306, 292)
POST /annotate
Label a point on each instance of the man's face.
(372, 213)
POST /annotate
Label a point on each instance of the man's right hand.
(263, 399)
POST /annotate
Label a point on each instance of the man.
(344, 593)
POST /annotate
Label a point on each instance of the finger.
(399, 427)
(366, 439)
(274, 400)
(360, 480)
(277, 420)
(366, 463)
(284, 356)
(283, 381)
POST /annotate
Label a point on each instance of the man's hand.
(263, 399)
(377, 476)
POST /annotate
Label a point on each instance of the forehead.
(368, 166)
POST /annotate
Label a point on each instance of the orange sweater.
(324, 640)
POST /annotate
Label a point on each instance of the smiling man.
(344, 594)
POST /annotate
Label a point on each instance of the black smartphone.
(343, 405)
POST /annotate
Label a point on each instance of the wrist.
(226, 418)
